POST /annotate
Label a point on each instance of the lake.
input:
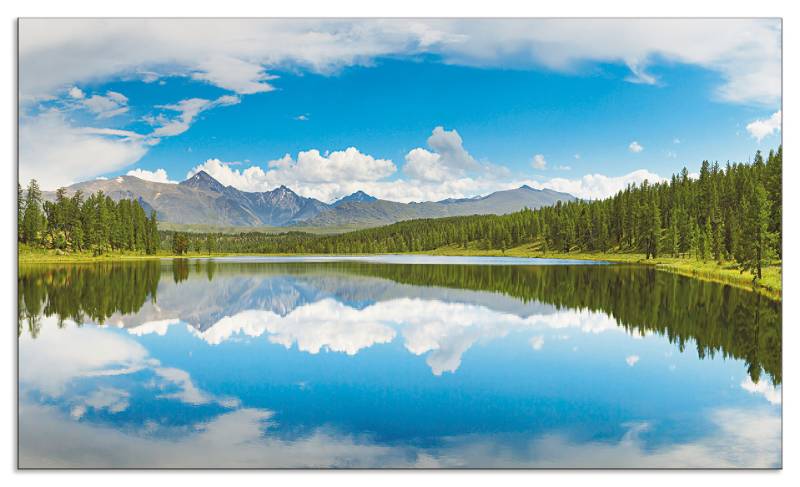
(395, 361)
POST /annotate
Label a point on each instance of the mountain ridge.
(202, 199)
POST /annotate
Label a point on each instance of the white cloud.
(159, 327)
(76, 93)
(58, 154)
(539, 162)
(448, 159)
(109, 398)
(312, 182)
(596, 186)
(233, 53)
(186, 392)
(110, 105)
(764, 388)
(242, 439)
(302, 117)
(235, 439)
(187, 110)
(761, 128)
(424, 165)
(537, 342)
(52, 360)
(443, 331)
(635, 147)
(157, 176)
(349, 164)
(70, 351)
(56, 55)
(148, 76)
(676, 140)
(240, 76)
(631, 360)
(326, 177)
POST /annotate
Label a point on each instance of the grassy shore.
(28, 255)
(725, 273)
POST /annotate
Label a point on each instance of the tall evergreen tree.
(33, 218)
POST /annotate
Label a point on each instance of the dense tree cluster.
(97, 223)
(725, 214)
(84, 293)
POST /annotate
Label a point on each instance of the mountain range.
(201, 199)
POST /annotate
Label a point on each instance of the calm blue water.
(392, 362)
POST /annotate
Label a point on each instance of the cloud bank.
(235, 54)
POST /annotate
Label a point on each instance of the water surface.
(393, 362)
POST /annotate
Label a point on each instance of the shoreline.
(770, 285)
(727, 273)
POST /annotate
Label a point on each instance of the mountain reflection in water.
(392, 364)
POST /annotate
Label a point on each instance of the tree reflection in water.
(719, 319)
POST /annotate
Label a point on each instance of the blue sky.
(405, 110)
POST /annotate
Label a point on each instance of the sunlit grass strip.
(725, 273)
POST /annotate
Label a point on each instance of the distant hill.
(202, 200)
(355, 197)
(375, 212)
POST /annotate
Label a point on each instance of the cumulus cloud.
(325, 176)
(539, 162)
(448, 159)
(371, 178)
(597, 186)
(157, 176)
(635, 147)
(758, 129)
(349, 164)
(325, 325)
(631, 360)
(432, 176)
(443, 331)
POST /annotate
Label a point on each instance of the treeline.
(730, 213)
(96, 223)
(84, 293)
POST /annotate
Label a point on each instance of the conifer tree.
(33, 217)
